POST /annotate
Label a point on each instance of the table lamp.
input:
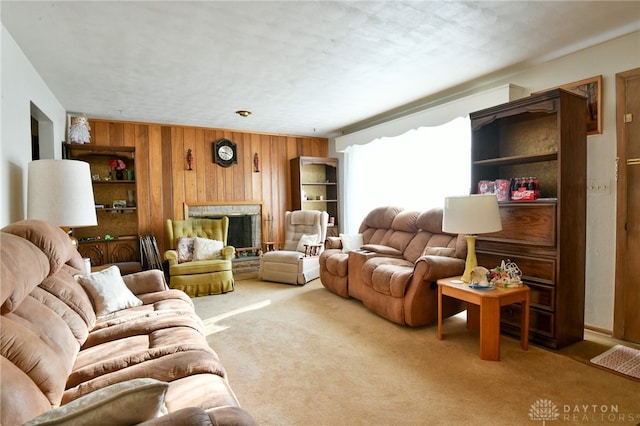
(471, 215)
(61, 192)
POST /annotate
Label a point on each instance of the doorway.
(626, 321)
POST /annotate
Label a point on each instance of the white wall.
(20, 87)
(606, 59)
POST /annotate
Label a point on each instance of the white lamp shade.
(61, 192)
(471, 214)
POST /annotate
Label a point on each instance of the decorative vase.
(119, 175)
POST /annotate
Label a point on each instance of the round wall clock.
(225, 153)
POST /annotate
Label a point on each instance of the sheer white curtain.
(416, 170)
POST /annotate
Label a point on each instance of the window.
(415, 171)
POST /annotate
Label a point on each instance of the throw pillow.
(205, 249)
(351, 242)
(184, 247)
(439, 251)
(306, 239)
(126, 403)
(108, 291)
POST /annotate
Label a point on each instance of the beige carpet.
(305, 356)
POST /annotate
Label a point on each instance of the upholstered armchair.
(200, 261)
(305, 232)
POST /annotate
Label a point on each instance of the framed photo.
(590, 88)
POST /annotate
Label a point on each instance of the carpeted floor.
(305, 356)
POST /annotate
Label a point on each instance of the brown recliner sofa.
(394, 272)
(130, 366)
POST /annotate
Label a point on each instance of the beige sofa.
(101, 349)
(393, 271)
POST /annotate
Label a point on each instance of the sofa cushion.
(68, 291)
(125, 403)
(351, 242)
(108, 291)
(23, 267)
(388, 276)
(38, 342)
(20, 398)
(50, 239)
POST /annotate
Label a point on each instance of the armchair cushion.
(306, 239)
(206, 249)
(185, 248)
(108, 291)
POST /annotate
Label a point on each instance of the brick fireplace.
(245, 230)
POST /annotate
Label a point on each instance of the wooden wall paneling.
(255, 184)
(147, 137)
(156, 175)
(164, 180)
(177, 172)
(116, 134)
(190, 178)
(201, 154)
(164, 184)
(99, 132)
(244, 169)
(129, 135)
(142, 175)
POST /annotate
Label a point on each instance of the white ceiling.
(301, 67)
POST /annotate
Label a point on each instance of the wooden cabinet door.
(123, 251)
(96, 251)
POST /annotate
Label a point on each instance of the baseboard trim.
(598, 330)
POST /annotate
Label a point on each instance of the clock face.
(224, 153)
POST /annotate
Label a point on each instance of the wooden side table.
(483, 312)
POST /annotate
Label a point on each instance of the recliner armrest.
(383, 250)
(146, 281)
(432, 268)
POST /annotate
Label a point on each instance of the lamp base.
(472, 261)
(73, 239)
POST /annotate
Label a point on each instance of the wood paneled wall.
(164, 183)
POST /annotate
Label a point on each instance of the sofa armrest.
(432, 268)
(219, 416)
(333, 243)
(146, 281)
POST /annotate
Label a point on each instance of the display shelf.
(543, 136)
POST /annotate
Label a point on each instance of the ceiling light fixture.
(243, 113)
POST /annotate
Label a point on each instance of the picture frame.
(590, 88)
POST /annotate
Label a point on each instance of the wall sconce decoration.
(256, 163)
(190, 159)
